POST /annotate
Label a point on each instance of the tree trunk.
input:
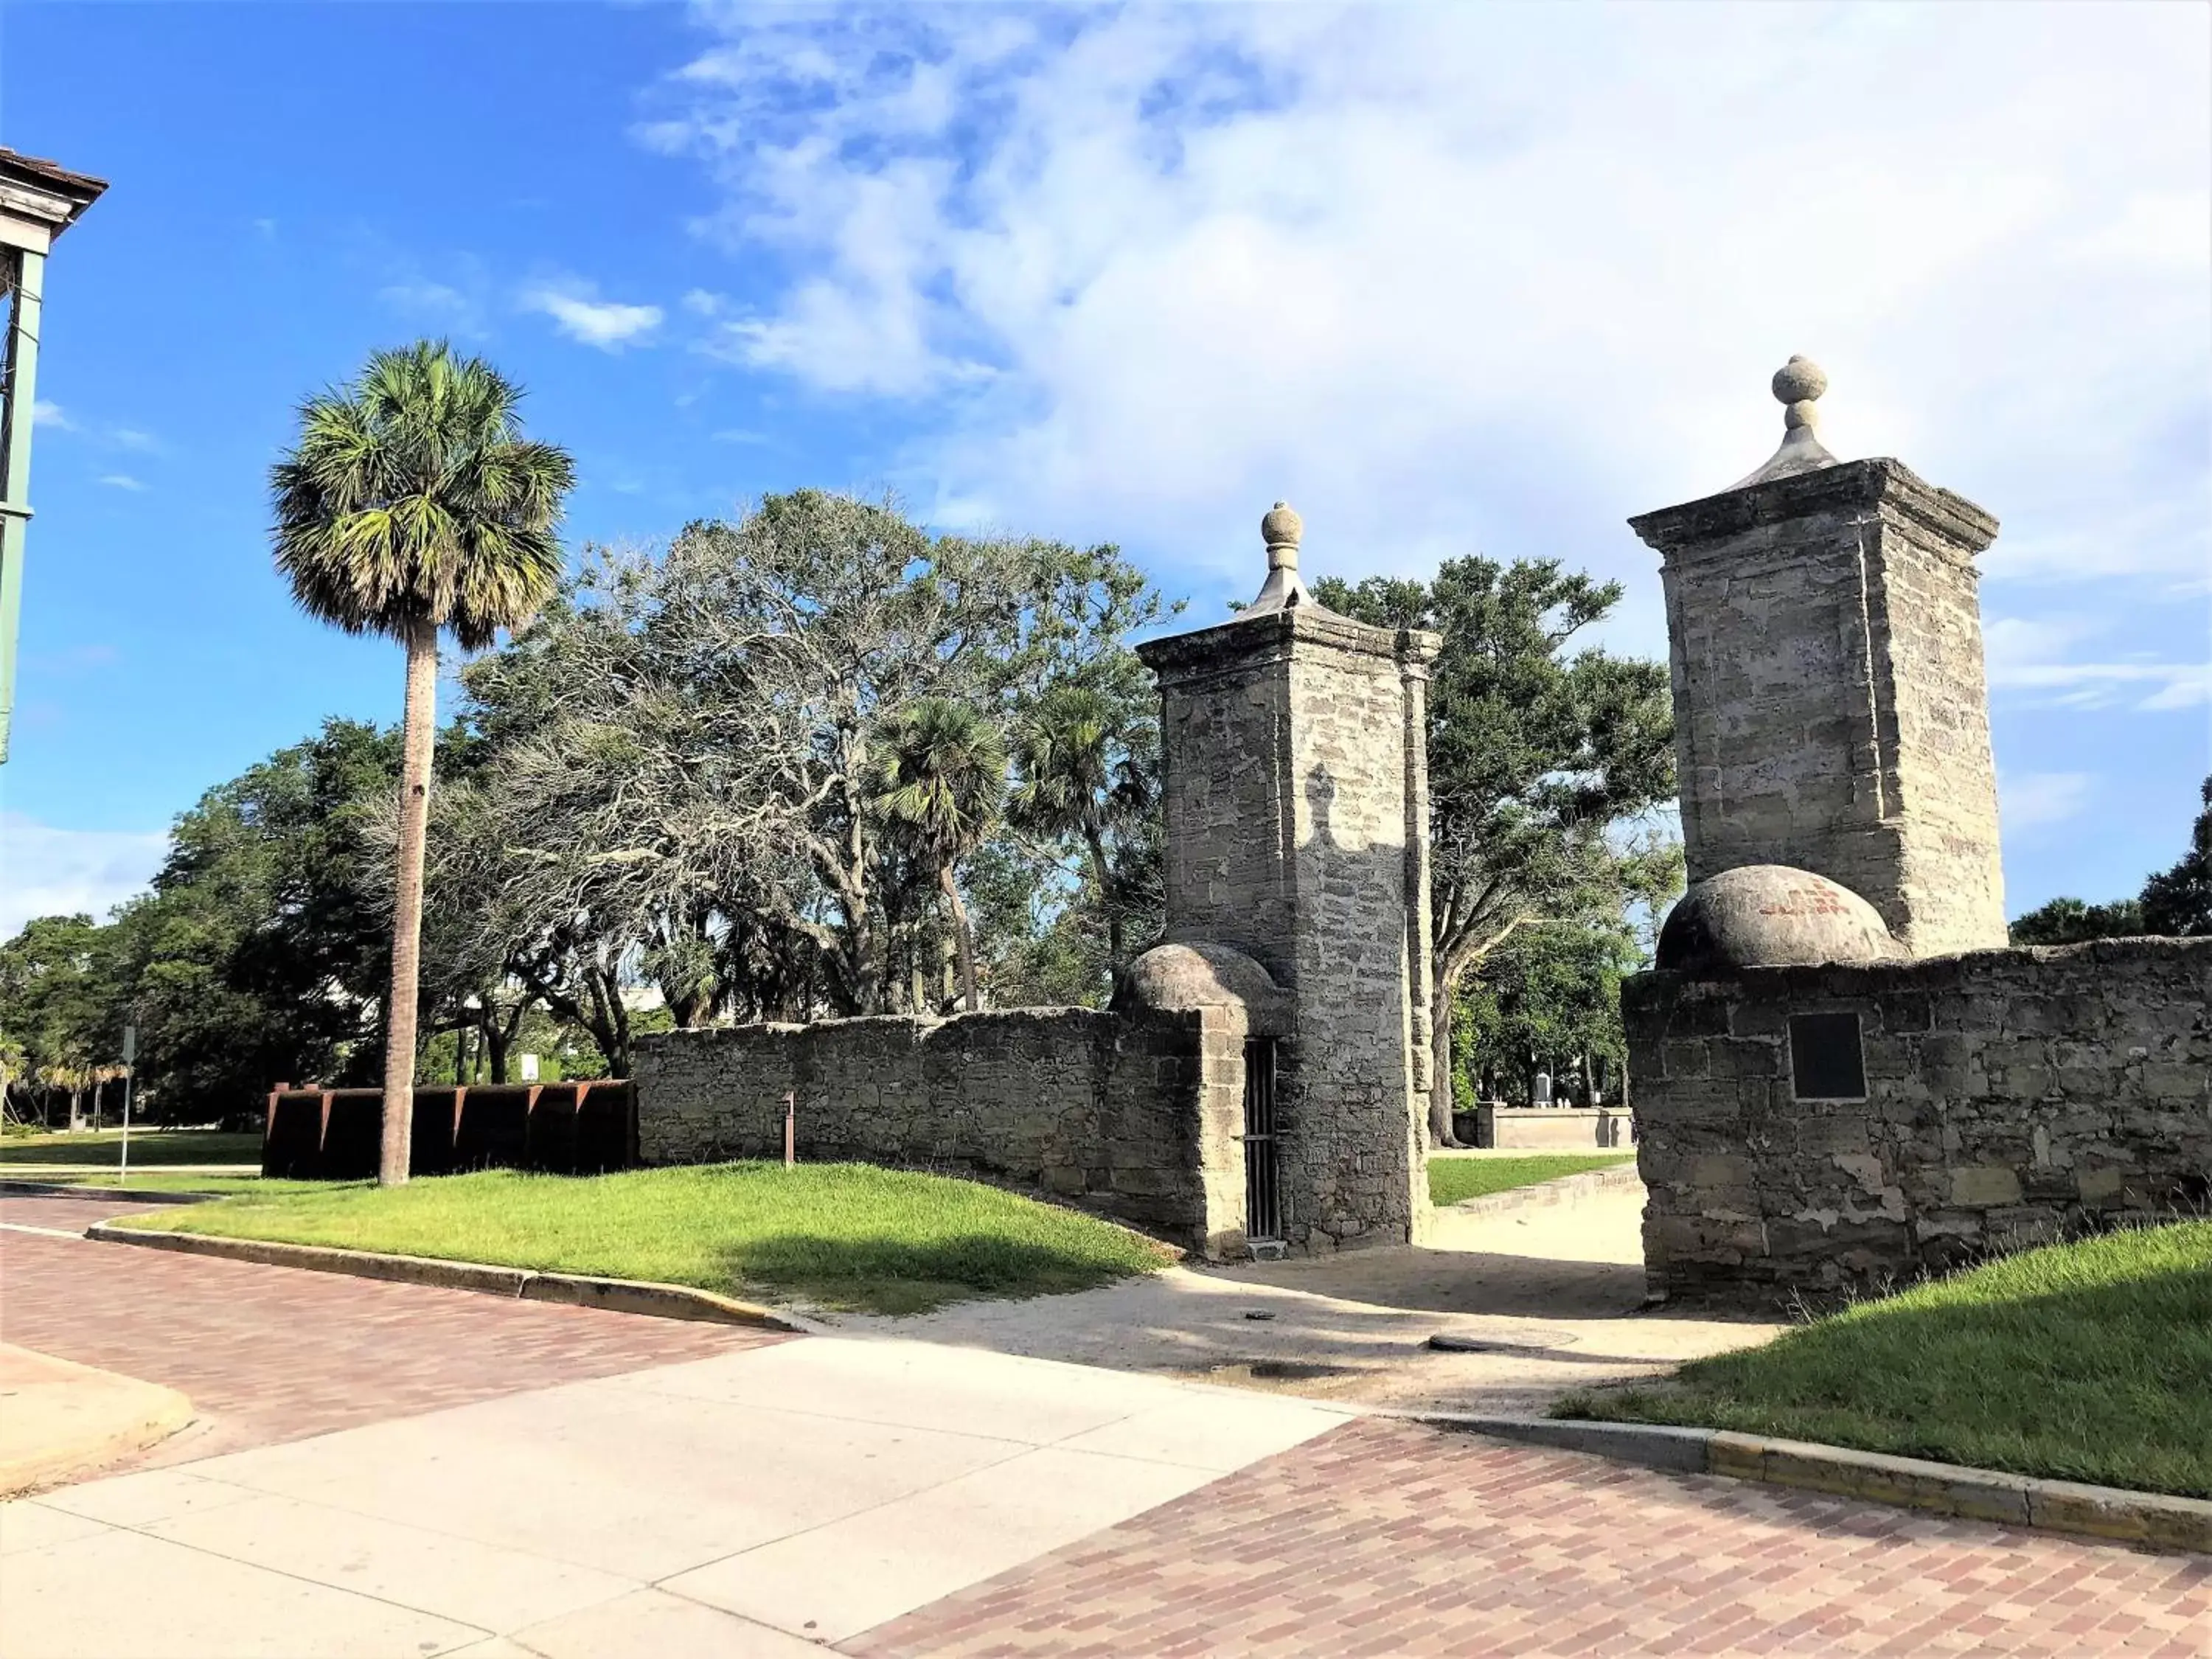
(962, 939)
(1116, 938)
(1440, 1066)
(494, 1047)
(418, 733)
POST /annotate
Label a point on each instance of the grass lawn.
(101, 1148)
(2090, 1361)
(1451, 1179)
(158, 1180)
(843, 1236)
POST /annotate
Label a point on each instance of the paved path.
(1391, 1538)
(595, 1497)
(272, 1353)
(1554, 1295)
(755, 1502)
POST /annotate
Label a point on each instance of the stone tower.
(1295, 779)
(1830, 708)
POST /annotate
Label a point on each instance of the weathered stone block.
(1977, 1138)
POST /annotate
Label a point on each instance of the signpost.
(130, 1076)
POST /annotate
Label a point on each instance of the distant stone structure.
(1841, 1077)
(1261, 1081)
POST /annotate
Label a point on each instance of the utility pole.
(38, 202)
(130, 1077)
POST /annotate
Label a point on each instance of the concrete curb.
(126, 1194)
(2111, 1514)
(155, 1414)
(517, 1283)
(1542, 1194)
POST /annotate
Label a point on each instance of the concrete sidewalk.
(759, 1502)
(61, 1421)
(1544, 1302)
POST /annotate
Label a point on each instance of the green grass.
(2090, 1361)
(159, 1180)
(101, 1148)
(842, 1235)
(1451, 1179)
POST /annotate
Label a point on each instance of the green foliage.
(2082, 1362)
(943, 783)
(1086, 762)
(2175, 904)
(1544, 763)
(2179, 901)
(411, 497)
(943, 776)
(151, 1150)
(835, 1235)
(1540, 1001)
(1452, 1180)
(258, 955)
(2069, 921)
(63, 1028)
(712, 763)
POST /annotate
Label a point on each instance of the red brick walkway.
(274, 1354)
(1388, 1538)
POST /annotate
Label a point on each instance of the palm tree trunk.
(961, 937)
(1102, 872)
(419, 731)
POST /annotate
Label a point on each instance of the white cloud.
(2032, 799)
(53, 871)
(1481, 277)
(602, 323)
(121, 481)
(102, 434)
(2033, 658)
(427, 298)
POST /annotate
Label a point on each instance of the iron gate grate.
(1263, 1188)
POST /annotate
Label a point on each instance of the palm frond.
(412, 495)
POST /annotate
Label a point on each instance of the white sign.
(530, 1068)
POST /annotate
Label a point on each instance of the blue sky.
(1451, 279)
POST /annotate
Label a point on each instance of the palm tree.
(944, 778)
(1077, 779)
(411, 504)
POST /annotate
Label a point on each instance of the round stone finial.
(1796, 384)
(1281, 529)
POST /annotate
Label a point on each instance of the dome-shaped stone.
(1769, 915)
(1182, 976)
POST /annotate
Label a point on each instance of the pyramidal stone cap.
(1282, 529)
(1797, 386)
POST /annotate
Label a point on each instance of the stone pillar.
(1294, 773)
(1829, 707)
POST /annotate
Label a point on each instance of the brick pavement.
(1387, 1537)
(273, 1353)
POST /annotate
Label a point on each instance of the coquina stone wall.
(1295, 801)
(1830, 712)
(2007, 1096)
(1135, 1114)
